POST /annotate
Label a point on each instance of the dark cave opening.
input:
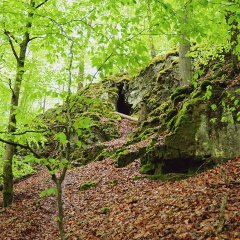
(182, 165)
(123, 106)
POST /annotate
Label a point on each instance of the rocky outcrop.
(184, 128)
(193, 127)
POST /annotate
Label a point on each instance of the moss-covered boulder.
(197, 125)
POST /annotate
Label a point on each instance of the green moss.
(217, 75)
(163, 58)
(105, 153)
(160, 109)
(147, 133)
(170, 114)
(172, 122)
(179, 98)
(182, 90)
(148, 168)
(87, 186)
(217, 66)
(196, 93)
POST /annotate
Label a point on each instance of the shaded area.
(122, 105)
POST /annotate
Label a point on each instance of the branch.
(38, 6)
(33, 38)
(10, 86)
(35, 131)
(127, 117)
(27, 147)
(11, 44)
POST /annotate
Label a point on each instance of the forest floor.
(124, 205)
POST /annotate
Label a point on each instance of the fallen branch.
(127, 117)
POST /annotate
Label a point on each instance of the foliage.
(87, 186)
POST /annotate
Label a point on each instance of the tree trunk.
(185, 62)
(151, 42)
(60, 210)
(10, 149)
(234, 31)
(8, 175)
(12, 123)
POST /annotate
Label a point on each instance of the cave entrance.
(123, 106)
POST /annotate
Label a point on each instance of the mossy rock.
(104, 154)
(217, 75)
(148, 168)
(172, 122)
(180, 98)
(170, 114)
(182, 90)
(126, 156)
(160, 109)
(217, 66)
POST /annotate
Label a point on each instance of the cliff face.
(186, 127)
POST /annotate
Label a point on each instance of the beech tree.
(19, 46)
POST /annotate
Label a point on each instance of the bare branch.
(10, 86)
(42, 3)
(11, 44)
(27, 147)
(35, 131)
(33, 38)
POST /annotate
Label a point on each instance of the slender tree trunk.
(234, 31)
(58, 181)
(10, 149)
(60, 210)
(81, 72)
(81, 68)
(185, 62)
(8, 175)
(151, 42)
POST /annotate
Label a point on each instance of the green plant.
(87, 186)
(104, 210)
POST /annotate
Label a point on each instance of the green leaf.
(82, 123)
(214, 107)
(61, 137)
(49, 192)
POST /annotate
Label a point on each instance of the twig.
(11, 44)
(27, 147)
(42, 3)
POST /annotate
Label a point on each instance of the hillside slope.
(124, 205)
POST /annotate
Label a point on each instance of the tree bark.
(12, 123)
(60, 210)
(185, 62)
(127, 117)
(10, 149)
(151, 42)
(234, 32)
